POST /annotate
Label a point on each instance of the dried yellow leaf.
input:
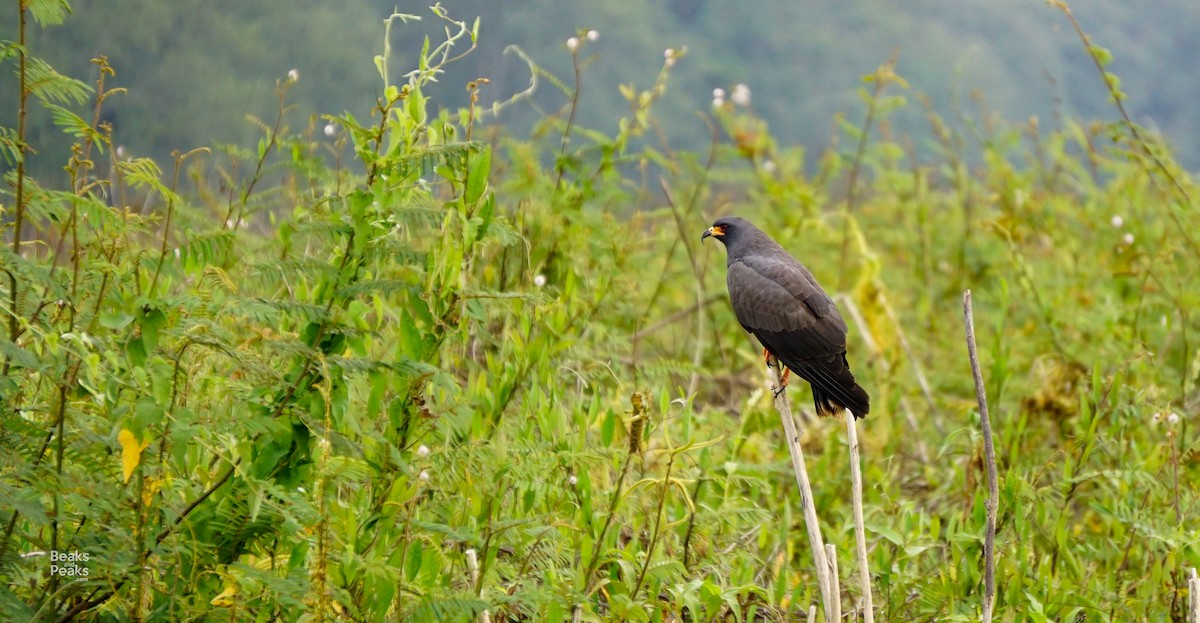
(131, 451)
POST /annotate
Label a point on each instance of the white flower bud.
(330, 129)
(1127, 239)
(718, 93)
(539, 280)
(1117, 221)
(741, 95)
(424, 476)
(293, 75)
(1173, 418)
(422, 451)
(593, 35)
(573, 44)
(572, 480)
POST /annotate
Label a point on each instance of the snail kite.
(780, 302)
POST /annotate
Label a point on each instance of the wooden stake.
(473, 565)
(1194, 598)
(993, 499)
(835, 612)
(860, 531)
(815, 542)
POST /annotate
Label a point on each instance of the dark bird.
(780, 302)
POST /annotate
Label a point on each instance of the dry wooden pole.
(807, 507)
(860, 531)
(835, 612)
(993, 499)
(1194, 598)
(473, 565)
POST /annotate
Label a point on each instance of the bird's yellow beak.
(715, 230)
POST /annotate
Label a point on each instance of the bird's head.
(729, 229)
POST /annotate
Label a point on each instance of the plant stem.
(19, 217)
(815, 542)
(860, 533)
(1193, 598)
(993, 500)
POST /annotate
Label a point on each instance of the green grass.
(318, 373)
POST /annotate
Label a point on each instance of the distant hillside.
(196, 68)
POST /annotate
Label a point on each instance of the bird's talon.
(778, 390)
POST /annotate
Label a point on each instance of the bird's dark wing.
(779, 296)
(779, 301)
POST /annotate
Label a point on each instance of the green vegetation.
(397, 365)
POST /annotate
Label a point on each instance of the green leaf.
(477, 175)
(51, 87)
(151, 322)
(48, 12)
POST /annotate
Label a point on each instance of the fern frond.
(10, 147)
(280, 270)
(74, 125)
(48, 12)
(426, 159)
(18, 356)
(305, 311)
(51, 87)
(447, 609)
(374, 286)
(204, 249)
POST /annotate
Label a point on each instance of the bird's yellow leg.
(786, 371)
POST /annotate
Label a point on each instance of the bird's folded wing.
(779, 296)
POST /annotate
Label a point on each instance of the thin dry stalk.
(473, 565)
(860, 531)
(1194, 598)
(993, 501)
(834, 608)
(806, 497)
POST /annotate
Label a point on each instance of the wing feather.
(781, 298)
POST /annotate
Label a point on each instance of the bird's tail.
(833, 386)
